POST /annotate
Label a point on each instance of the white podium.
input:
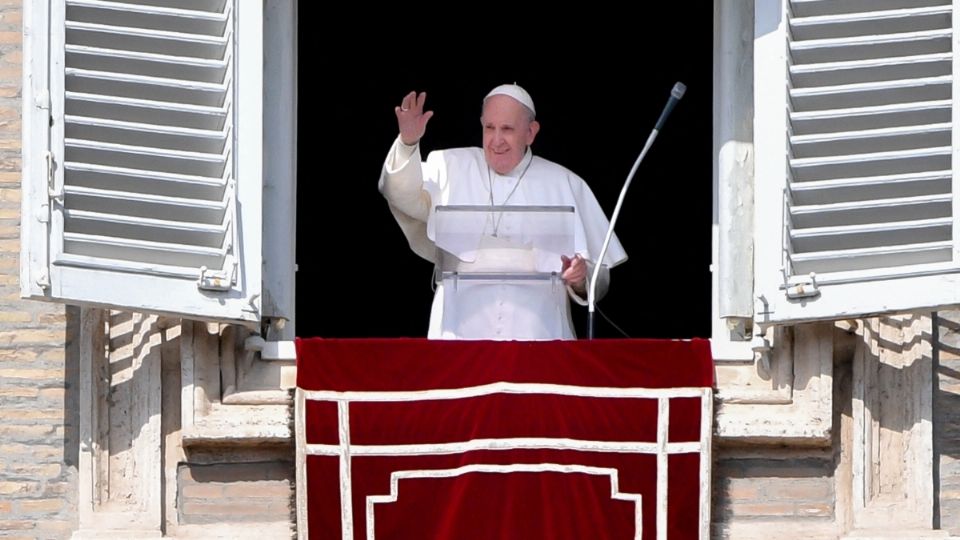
(489, 256)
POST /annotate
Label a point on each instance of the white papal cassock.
(460, 176)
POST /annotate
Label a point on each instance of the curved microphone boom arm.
(675, 94)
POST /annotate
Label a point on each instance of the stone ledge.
(119, 534)
(888, 534)
(241, 425)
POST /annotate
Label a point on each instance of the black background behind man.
(598, 101)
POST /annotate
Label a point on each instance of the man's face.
(507, 132)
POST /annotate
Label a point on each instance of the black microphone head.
(678, 90)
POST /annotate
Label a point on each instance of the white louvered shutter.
(148, 193)
(854, 176)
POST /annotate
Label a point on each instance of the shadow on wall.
(946, 421)
(71, 390)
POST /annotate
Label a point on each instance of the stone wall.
(38, 412)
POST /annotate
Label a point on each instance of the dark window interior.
(597, 101)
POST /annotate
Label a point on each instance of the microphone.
(675, 94)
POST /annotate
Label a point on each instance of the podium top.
(485, 238)
(534, 209)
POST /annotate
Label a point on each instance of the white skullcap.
(514, 91)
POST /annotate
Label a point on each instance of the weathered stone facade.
(38, 391)
(126, 425)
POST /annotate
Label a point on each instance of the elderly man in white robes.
(503, 173)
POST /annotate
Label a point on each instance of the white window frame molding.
(757, 393)
(34, 222)
(280, 166)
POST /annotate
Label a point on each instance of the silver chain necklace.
(496, 225)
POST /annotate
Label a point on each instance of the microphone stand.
(675, 94)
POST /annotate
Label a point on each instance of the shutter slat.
(871, 40)
(132, 267)
(195, 39)
(119, 179)
(175, 67)
(111, 242)
(108, 242)
(931, 247)
(112, 247)
(870, 111)
(870, 157)
(146, 135)
(162, 7)
(863, 166)
(893, 115)
(171, 43)
(179, 181)
(142, 80)
(900, 84)
(218, 112)
(826, 67)
(139, 228)
(871, 133)
(146, 111)
(817, 232)
(871, 93)
(833, 6)
(870, 187)
(874, 71)
(868, 258)
(183, 202)
(147, 151)
(870, 235)
(153, 88)
(872, 182)
(871, 204)
(147, 128)
(845, 18)
(215, 6)
(195, 228)
(140, 157)
(186, 22)
(901, 138)
(870, 46)
(115, 55)
(145, 205)
(904, 114)
(116, 77)
(147, 8)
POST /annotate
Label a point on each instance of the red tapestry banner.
(416, 439)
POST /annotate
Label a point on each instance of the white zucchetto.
(514, 91)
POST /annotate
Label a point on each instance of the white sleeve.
(401, 181)
(603, 284)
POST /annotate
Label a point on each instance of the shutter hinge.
(762, 345)
(42, 100)
(797, 287)
(763, 309)
(211, 280)
(253, 305)
(43, 213)
(53, 192)
(43, 280)
(43, 216)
